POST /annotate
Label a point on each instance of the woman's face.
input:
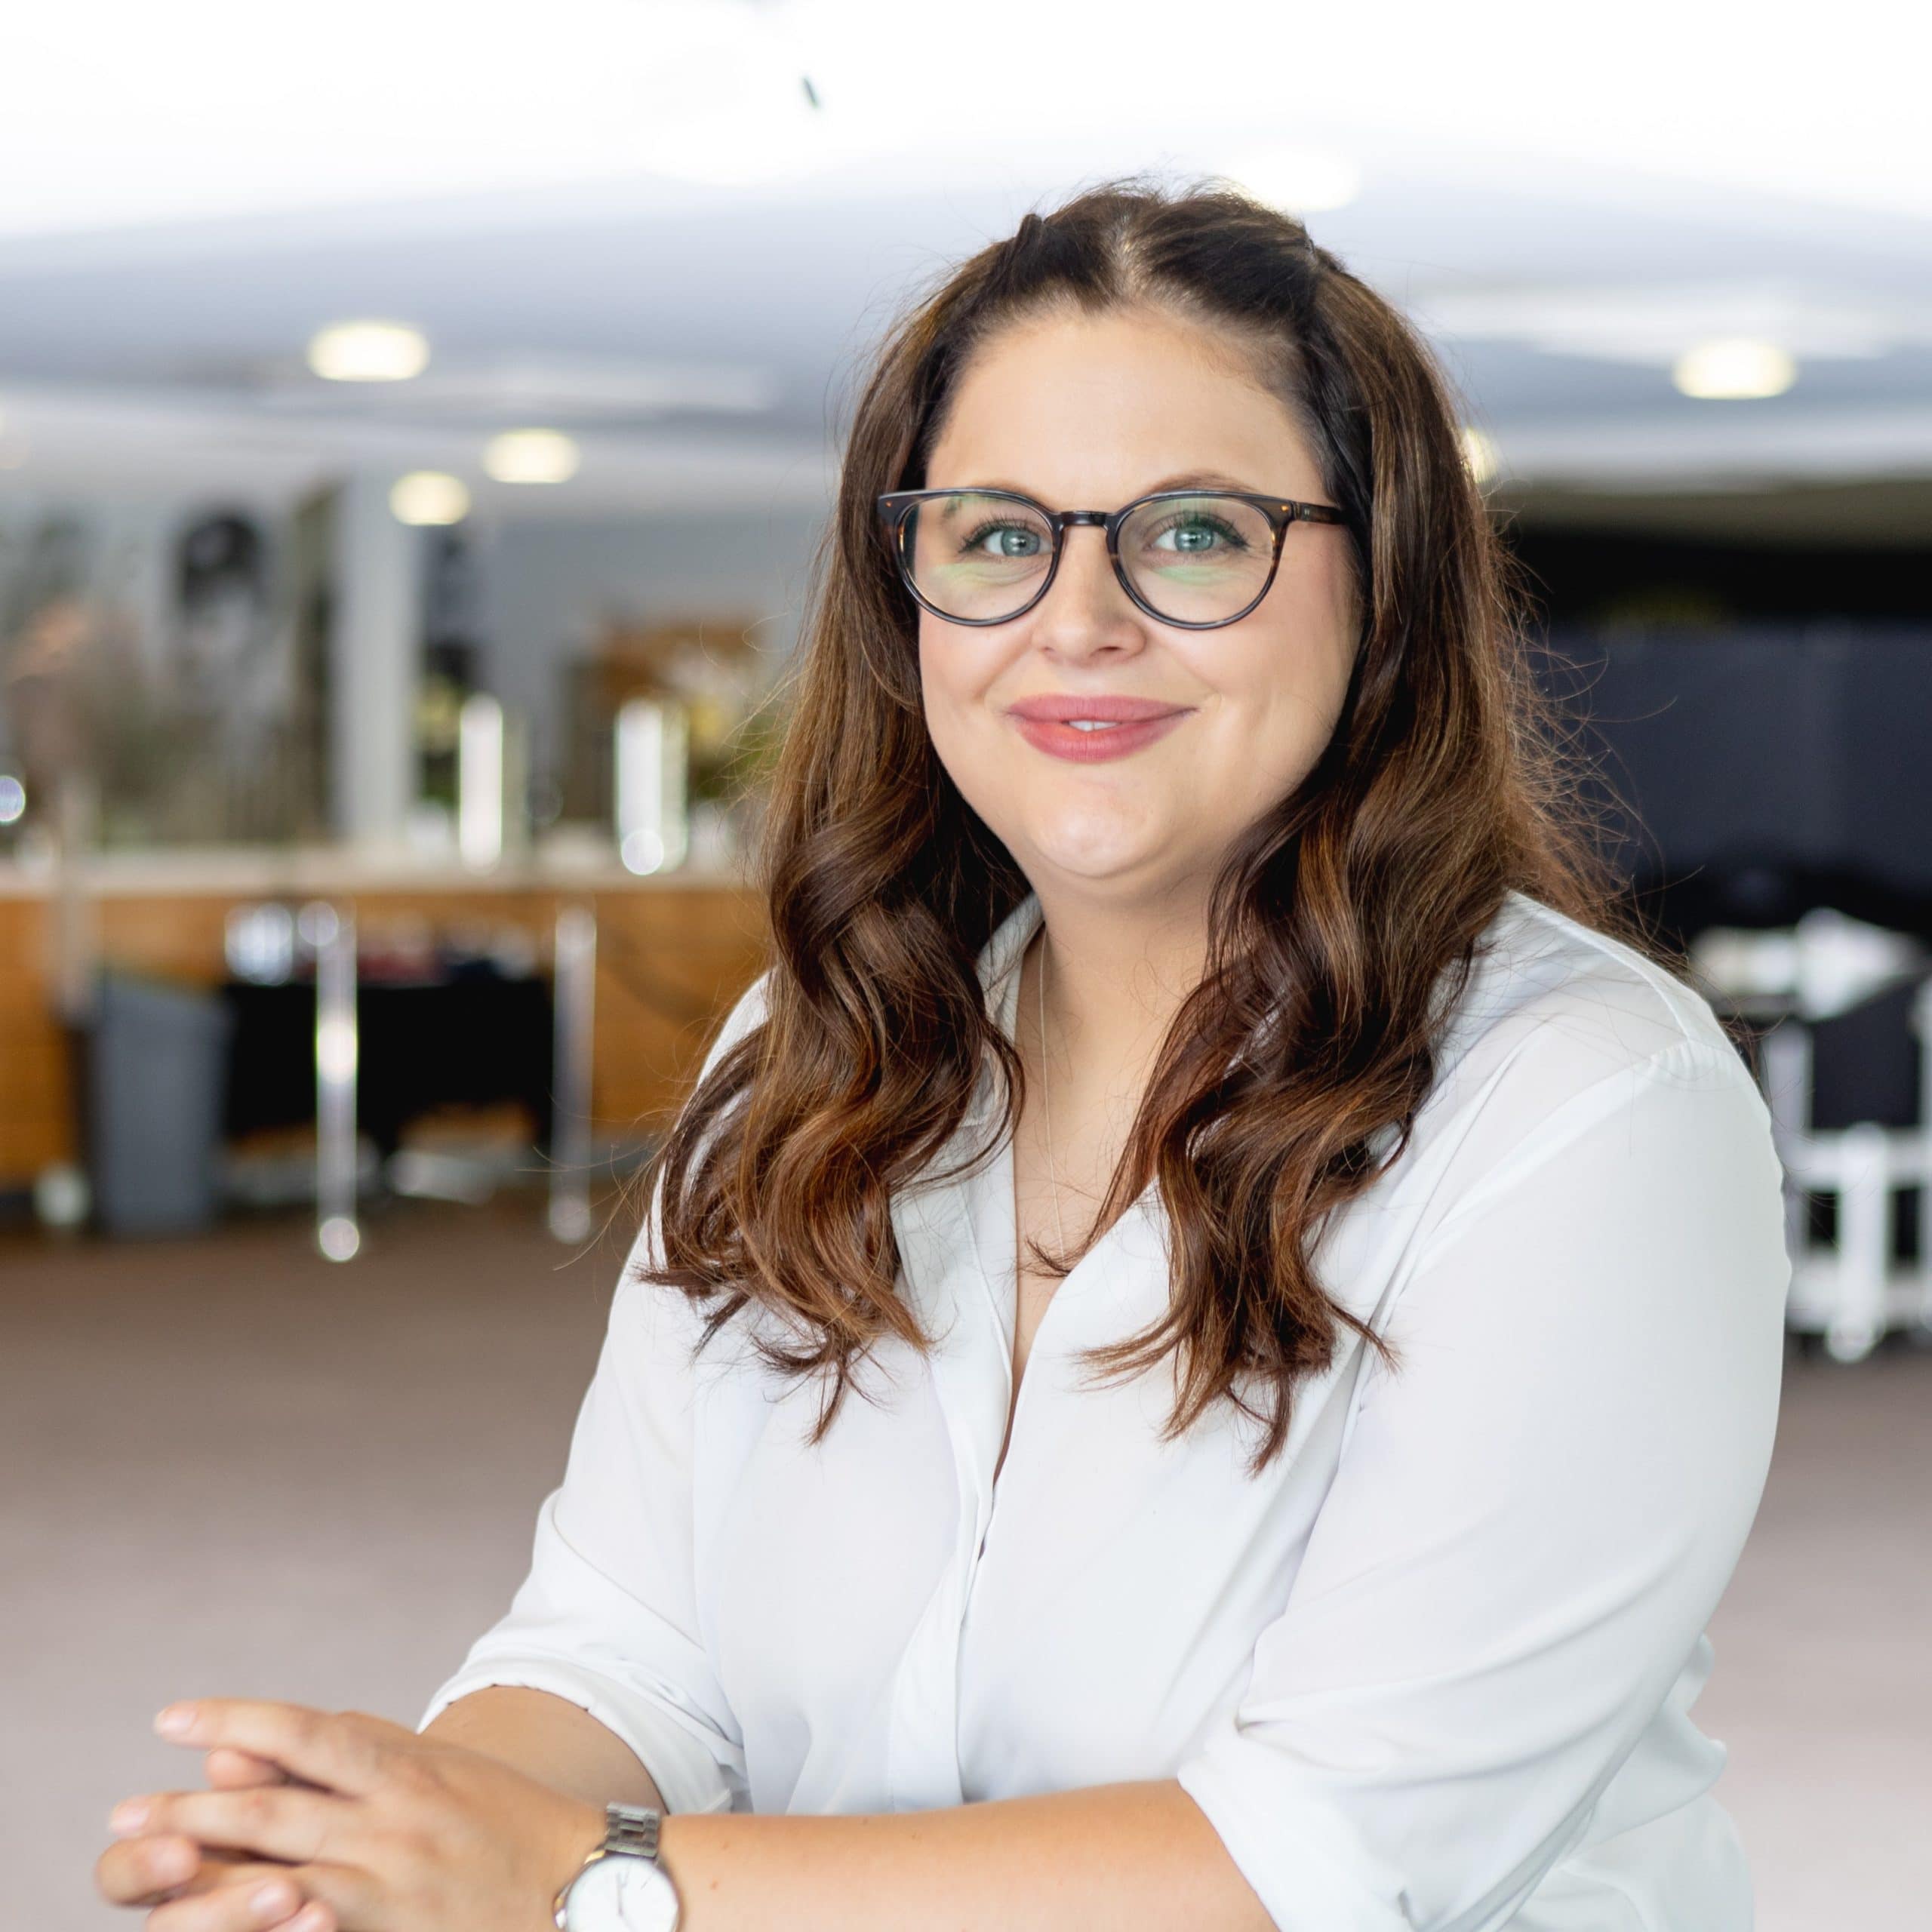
(1089, 413)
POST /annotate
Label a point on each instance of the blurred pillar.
(375, 643)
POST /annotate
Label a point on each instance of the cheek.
(952, 693)
(1284, 694)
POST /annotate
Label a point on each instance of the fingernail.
(269, 1898)
(177, 1721)
(128, 1817)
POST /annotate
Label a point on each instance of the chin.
(1136, 862)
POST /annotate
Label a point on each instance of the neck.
(1114, 976)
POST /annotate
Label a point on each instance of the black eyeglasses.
(1198, 558)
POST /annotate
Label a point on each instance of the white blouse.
(1434, 1668)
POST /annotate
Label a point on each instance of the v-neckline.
(993, 1220)
(1002, 1281)
(1003, 1181)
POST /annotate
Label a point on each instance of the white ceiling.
(636, 225)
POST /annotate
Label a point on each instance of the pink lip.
(1056, 708)
(1079, 747)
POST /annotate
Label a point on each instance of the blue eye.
(988, 529)
(1197, 526)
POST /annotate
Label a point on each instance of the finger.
(282, 1821)
(139, 1871)
(343, 1751)
(302, 1898)
(228, 1769)
(257, 1906)
(143, 1870)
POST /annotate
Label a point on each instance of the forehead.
(1088, 410)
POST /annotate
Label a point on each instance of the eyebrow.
(1191, 479)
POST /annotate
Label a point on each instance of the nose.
(1086, 608)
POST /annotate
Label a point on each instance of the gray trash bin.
(157, 1077)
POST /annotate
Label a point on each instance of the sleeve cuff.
(687, 1773)
(1289, 1849)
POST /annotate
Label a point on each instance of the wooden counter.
(673, 952)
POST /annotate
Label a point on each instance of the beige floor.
(231, 1467)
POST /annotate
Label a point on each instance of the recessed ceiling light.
(1738, 365)
(429, 496)
(368, 353)
(530, 455)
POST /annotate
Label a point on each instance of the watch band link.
(631, 1828)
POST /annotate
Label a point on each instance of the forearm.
(549, 1738)
(1137, 1857)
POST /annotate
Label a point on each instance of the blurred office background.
(415, 426)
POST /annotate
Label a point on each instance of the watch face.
(621, 1892)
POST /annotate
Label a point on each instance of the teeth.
(1092, 724)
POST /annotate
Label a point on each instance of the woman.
(1209, 1337)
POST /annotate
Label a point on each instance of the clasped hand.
(379, 1828)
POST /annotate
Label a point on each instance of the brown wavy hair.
(1348, 910)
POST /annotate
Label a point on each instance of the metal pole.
(1922, 1021)
(1861, 1298)
(575, 997)
(337, 1048)
(1785, 1060)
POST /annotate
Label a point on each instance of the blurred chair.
(392, 1037)
(1849, 1286)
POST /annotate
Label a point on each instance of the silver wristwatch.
(621, 1887)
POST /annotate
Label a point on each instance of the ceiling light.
(368, 352)
(1738, 365)
(530, 455)
(1303, 181)
(429, 496)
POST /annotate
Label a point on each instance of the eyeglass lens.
(1194, 558)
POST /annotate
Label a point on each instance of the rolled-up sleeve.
(1534, 1516)
(607, 1617)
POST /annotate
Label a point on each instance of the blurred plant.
(83, 694)
(84, 706)
(723, 680)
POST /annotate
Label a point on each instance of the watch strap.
(629, 1828)
(632, 1827)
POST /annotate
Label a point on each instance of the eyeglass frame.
(893, 505)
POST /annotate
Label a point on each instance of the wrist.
(617, 1880)
(580, 1832)
(672, 1832)
(689, 1846)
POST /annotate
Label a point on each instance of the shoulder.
(1540, 979)
(664, 1324)
(1588, 1117)
(1558, 1028)
(747, 1014)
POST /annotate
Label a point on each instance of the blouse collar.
(998, 966)
(1000, 957)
